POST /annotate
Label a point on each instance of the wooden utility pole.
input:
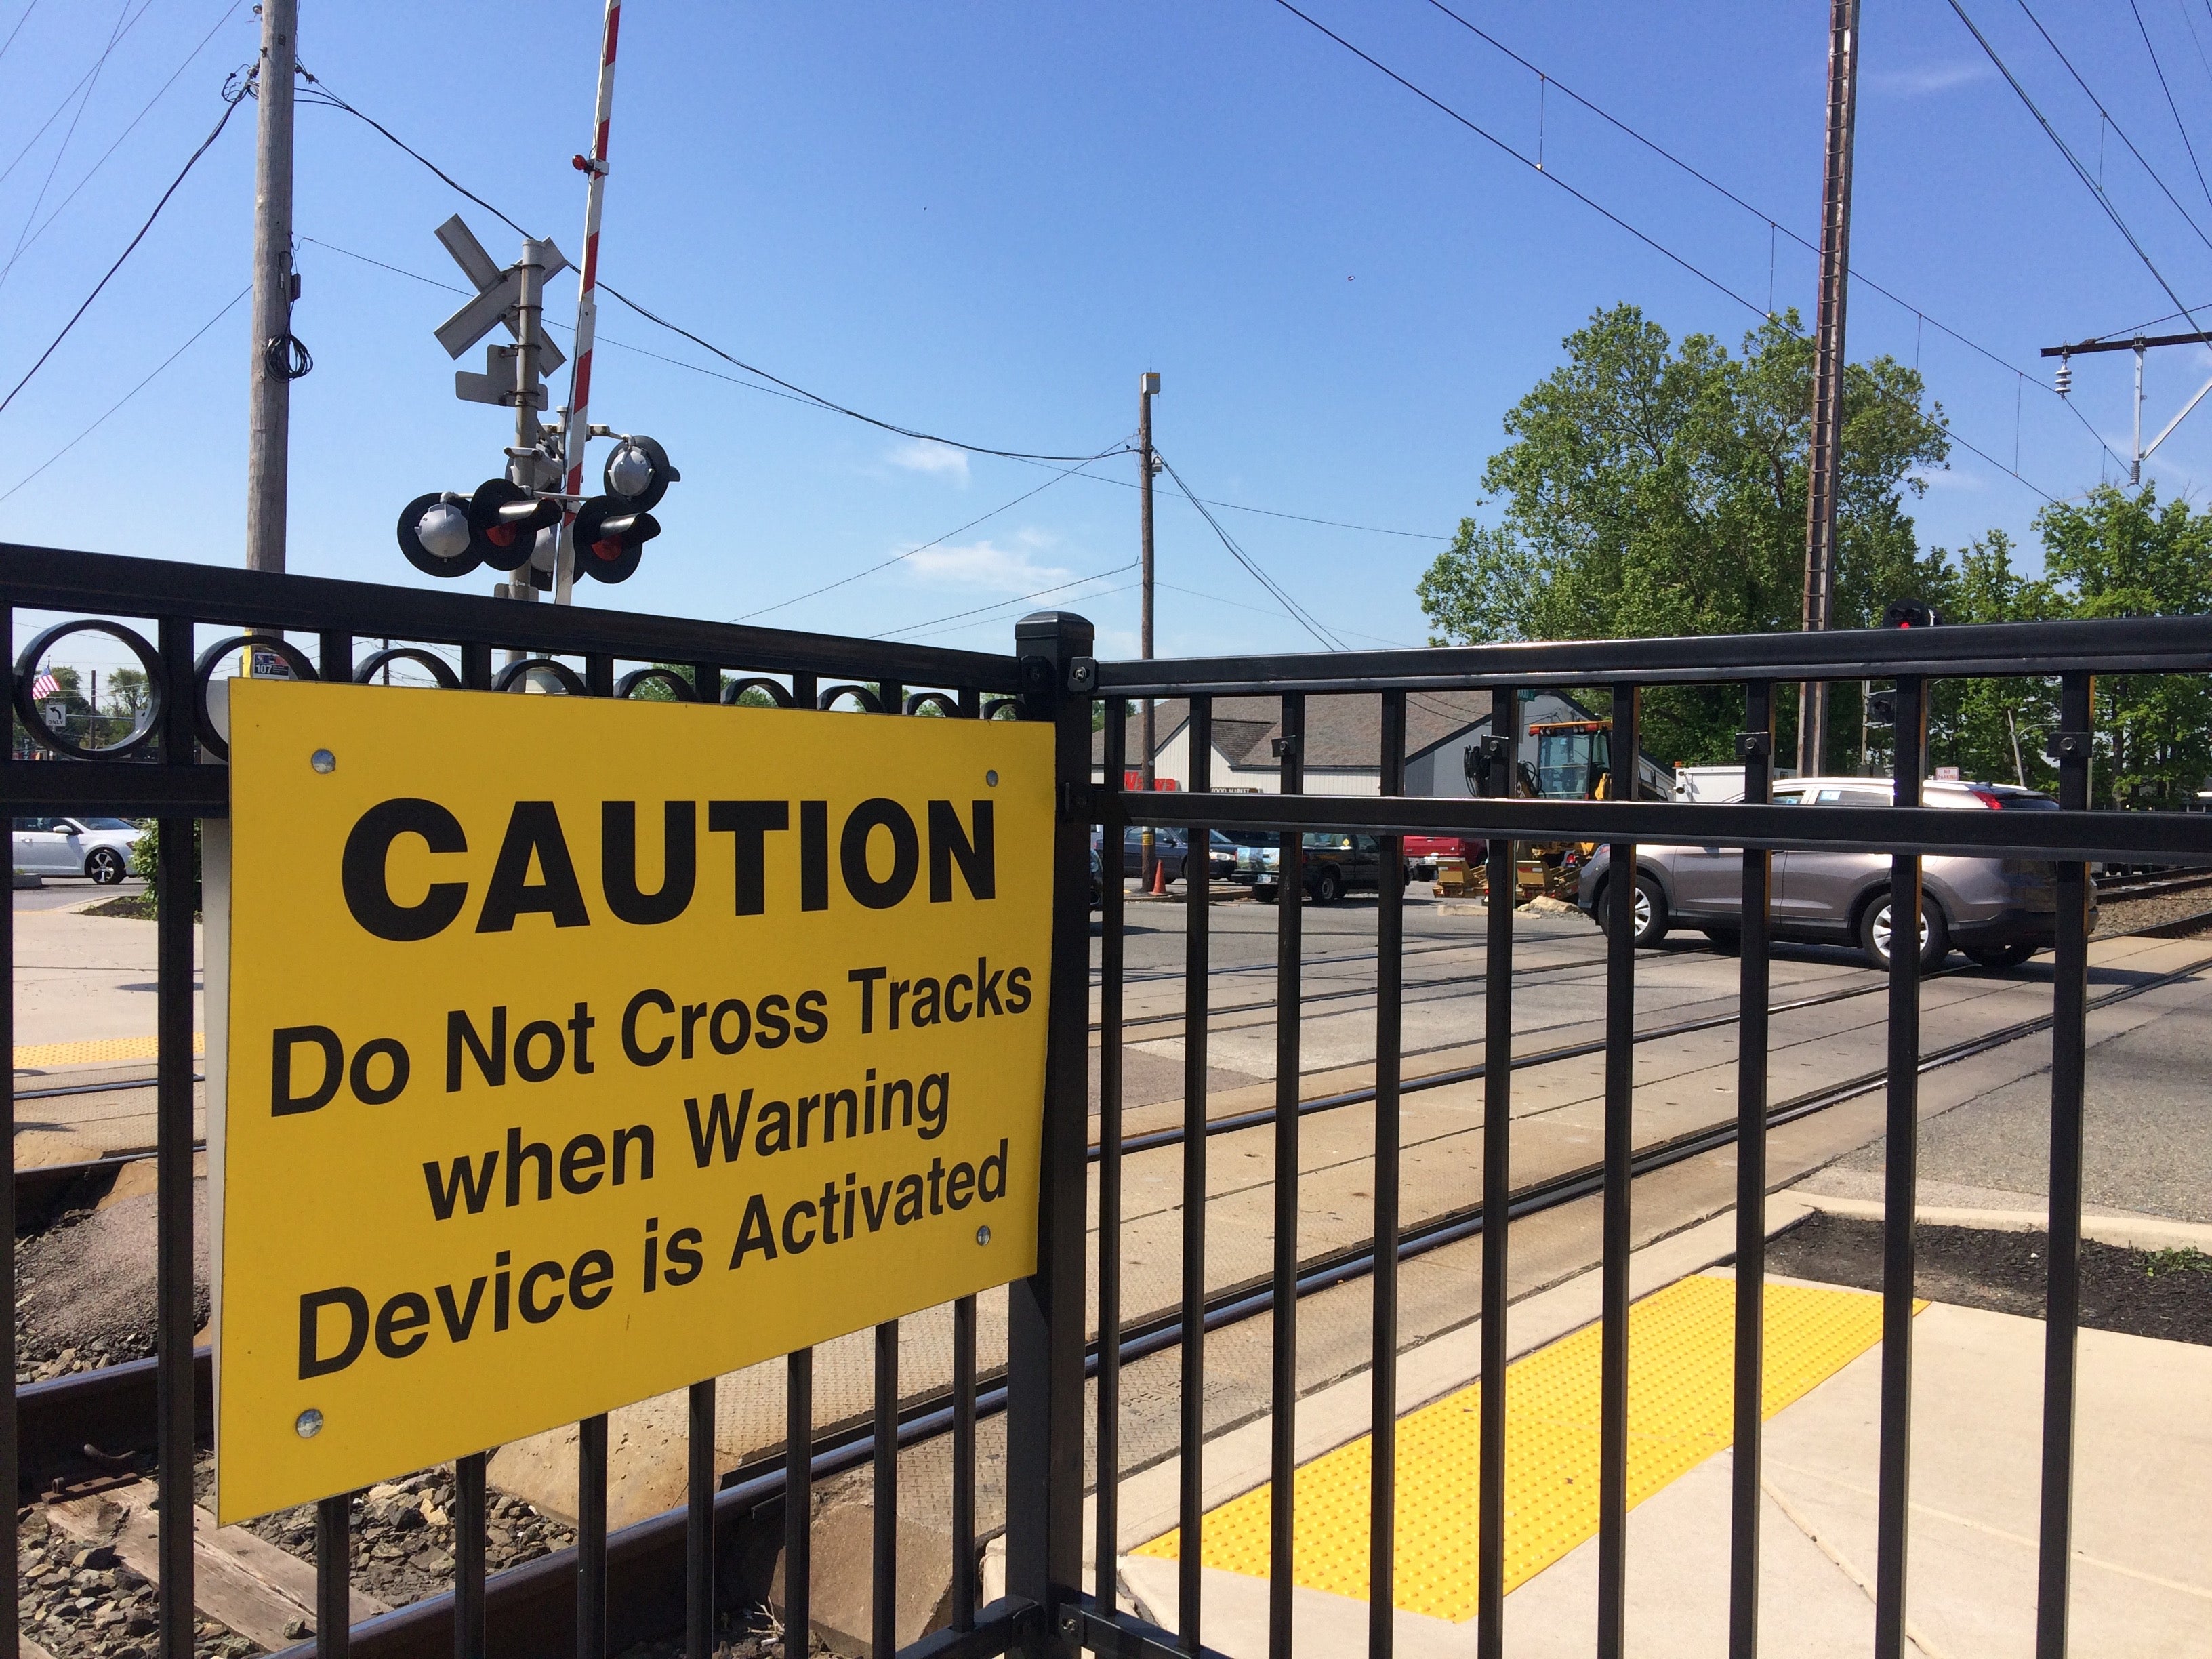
(1824, 462)
(1147, 387)
(269, 436)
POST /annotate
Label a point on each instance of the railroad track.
(2152, 884)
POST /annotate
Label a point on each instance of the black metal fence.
(660, 1575)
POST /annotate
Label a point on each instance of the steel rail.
(1159, 1138)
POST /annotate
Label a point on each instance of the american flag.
(45, 686)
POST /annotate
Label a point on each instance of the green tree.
(1990, 730)
(1651, 489)
(2113, 554)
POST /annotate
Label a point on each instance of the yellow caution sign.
(566, 1051)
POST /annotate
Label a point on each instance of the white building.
(1344, 742)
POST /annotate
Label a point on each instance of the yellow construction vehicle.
(1574, 762)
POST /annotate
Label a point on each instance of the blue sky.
(985, 220)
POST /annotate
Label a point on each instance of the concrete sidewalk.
(85, 1014)
(2143, 1569)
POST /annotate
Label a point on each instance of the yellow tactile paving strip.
(38, 1055)
(1681, 1343)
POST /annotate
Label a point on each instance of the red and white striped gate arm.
(594, 168)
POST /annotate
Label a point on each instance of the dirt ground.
(2163, 1294)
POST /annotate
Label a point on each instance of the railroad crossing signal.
(514, 522)
(611, 530)
(499, 300)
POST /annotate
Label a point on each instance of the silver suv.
(1999, 911)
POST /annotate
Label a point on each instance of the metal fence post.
(1047, 1311)
(176, 884)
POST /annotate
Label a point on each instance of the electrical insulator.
(2064, 382)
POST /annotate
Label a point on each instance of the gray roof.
(1343, 732)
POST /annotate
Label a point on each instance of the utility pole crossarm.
(2137, 343)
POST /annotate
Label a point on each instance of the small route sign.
(566, 1051)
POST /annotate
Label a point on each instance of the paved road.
(60, 892)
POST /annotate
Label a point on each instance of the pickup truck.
(1335, 863)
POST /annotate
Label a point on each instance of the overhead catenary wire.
(18, 29)
(2072, 159)
(2110, 120)
(1774, 226)
(1707, 277)
(2172, 107)
(232, 98)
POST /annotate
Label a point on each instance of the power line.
(31, 143)
(1263, 611)
(229, 306)
(1298, 613)
(2072, 160)
(18, 29)
(330, 99)
(901, 558)
(2170, 105)
(788, 396)
(232, 98)
(190, 59)
(92, 85)
(1001, 604)
(962, 628)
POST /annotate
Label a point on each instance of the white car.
(97, 847)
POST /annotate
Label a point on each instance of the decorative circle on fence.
(947, 706)
(440, 670)
(678, 687)
(515, 676)
(776, 693)
(204, 670)
(35, 723)
(860, 694)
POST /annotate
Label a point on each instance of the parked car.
(1098, 877)
(1172, 848)
(1335, 863)
(97, 847)
(1999, 911)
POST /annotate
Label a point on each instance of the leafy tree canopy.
(1652, 489)
(2109, 554)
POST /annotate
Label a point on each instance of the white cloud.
(1925, 83)
(921, 456)
(985, 564)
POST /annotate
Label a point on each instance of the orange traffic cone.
(1159, 879)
